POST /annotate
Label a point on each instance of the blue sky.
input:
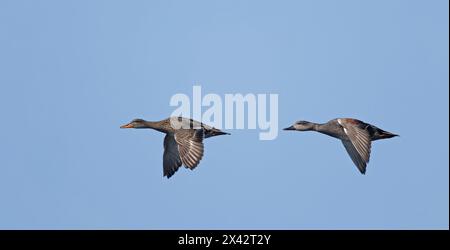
(72, 72)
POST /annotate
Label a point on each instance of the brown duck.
(183, 143)
(357, 136)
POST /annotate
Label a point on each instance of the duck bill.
(127, 126)
(289, 128)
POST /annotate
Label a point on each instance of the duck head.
(301, 126)
(136, 123)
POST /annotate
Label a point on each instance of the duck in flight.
(183, 143)
(354, 134)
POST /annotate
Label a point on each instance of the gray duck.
(183, 143)
(356, 135)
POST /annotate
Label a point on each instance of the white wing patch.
(340, 123)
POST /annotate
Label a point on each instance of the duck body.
(355, 135)
(335, 129)
(183, 143)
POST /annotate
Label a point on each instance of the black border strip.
(278, 238)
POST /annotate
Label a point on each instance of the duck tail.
(214, 132)
(381, 134)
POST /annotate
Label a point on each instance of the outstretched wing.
(171, 157)
(358, 145)
(190, 146)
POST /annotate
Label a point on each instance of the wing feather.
(171, 156)
(358, 145)
(190, 146)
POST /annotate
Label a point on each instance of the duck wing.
(358, 145)
(171, 157)
(190, 146)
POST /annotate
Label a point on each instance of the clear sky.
(72, 72)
